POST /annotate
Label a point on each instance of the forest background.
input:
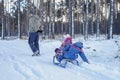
(58, 17)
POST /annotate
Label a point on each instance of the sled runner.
(64, 62)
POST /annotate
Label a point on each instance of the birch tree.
(71, 23)
(53, 18)
(50, 2)
(41, 13)
(62, 28)
(92, 10)
(98, 18)
(86, 26)
(110, 28)
(3, 31)
(19, 31)
(83, 18)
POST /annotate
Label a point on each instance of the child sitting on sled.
(70, 51)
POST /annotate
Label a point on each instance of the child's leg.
(60, 57)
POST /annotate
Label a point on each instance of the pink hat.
(68, 40)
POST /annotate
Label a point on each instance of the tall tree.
(19, 30)
(98, 18)
(41, 13)
(8, 19)
(3, 31)
(110, 28)
(62, 16)
(50, 21)
(53, 19)
(92, 13)
(86, 26)
(71, 23)
(83, 17)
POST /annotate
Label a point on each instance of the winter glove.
(40, 31)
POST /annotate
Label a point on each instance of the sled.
(64, 62)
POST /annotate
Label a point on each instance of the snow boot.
(36, 53)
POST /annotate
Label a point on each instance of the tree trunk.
(62, 28)
(98, 18)
(110, 29)
(19, 30)
(41, 13)
(50, 15)
(3, 26)
(53, 17)
(71, 23)
(86, 26)
(92, 6)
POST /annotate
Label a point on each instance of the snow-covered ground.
(16, 62)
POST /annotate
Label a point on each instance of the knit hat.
(56, 50)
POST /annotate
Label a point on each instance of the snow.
(16, 62)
